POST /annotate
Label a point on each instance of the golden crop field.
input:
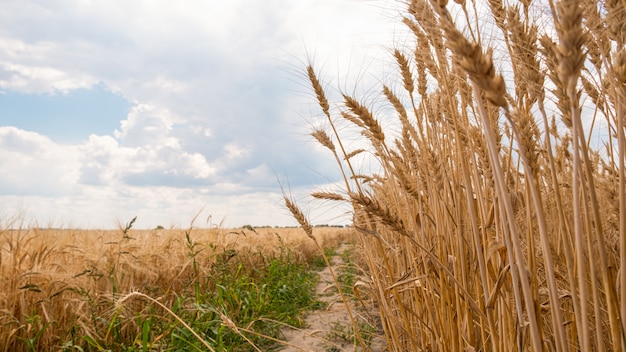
(65, 288)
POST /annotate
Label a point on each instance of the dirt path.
(329, 329)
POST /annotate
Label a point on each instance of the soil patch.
(330, 329)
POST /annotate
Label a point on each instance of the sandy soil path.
(329, 329)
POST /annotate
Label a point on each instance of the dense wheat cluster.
(497, 221)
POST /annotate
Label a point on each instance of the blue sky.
(65, 118)
(163, 110)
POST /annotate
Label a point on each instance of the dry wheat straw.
(480, 69)
(620, 73)
(499, 182)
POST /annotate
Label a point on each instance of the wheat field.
(495, 219)
(64, 288)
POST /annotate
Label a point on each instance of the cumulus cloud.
(143, 153)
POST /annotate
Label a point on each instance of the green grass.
(318, 263)
(344, 334)
(348, 272)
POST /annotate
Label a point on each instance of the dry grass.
(498, 218)
(66, 284)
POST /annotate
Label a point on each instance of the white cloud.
(97, 155)
(33, 164)
(235, 151)
(38, 79)
(147, 125)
